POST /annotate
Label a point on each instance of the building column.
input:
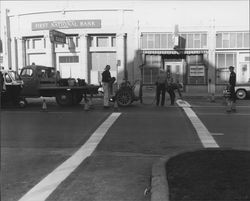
(15, 54)
(20, 53)
(211, 61)
(24, 56)
(6, 41)
(49, 51)
(84, 51)
(120, 56)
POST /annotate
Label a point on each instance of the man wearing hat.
(232, 83)
(106, 78)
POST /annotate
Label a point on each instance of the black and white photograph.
(125, 100)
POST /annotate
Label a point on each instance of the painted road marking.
(205, 136)
(45, 187)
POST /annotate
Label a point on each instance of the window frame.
(239, 43)
(224, 69)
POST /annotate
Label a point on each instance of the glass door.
(174, 70)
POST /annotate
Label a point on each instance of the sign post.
(56, 37)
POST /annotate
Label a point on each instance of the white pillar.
(120, 56)
(211, 60)
(49, 51)
(20, 53)
(24, 56)
(84, 51)
(6, 41)
(15, 54)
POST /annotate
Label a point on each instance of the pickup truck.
(43, 81)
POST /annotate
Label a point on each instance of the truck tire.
(64, 99)
(77, 98)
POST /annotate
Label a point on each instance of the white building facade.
(194, 41)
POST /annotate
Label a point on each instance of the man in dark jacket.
(232, 83)
(106, 78)
(172, 86)
(161, 85)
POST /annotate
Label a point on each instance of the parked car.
(242, 90)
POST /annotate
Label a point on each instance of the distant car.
(242, 90)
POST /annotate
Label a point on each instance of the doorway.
(174, 70)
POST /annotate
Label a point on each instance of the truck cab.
(10, 88)
(34, 76)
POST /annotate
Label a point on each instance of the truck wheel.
(64, 99)
(124, 98)
(77, 98)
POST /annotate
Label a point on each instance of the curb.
(159, 184)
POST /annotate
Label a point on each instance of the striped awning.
(174, 52)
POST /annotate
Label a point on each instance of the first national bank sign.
(66, 24)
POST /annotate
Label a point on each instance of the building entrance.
(174, 70)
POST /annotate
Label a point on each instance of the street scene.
(125, 100)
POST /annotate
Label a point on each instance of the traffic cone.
(115, 106)
(44, 106)
(86, 105)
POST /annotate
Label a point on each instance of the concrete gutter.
(159, 184)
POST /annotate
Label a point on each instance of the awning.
(174, 52)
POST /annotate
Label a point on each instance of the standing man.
(106, 77)
(172, 86)
(232, 83)
(161, 85)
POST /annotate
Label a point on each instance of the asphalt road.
(34, 143)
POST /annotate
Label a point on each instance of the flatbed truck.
(43, 81)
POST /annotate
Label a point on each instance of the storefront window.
(156, 40)
(239, 39)
(232, 40)
(149, 75)
(246, 40)
(190, 40)
(197, 71)
(163, 41)
(151, 69)
(197, 41)
(102, 42)
(225, 40)
(223, 61)
(193, 40)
